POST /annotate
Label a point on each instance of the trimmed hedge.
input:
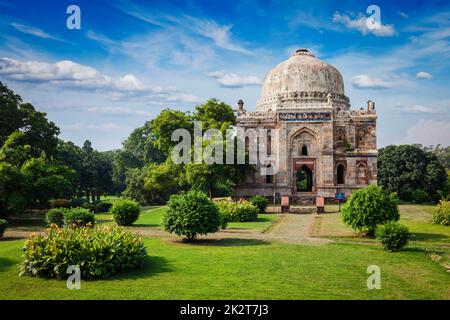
(420, 196)
(97, 206)
(260, 202)
(99, 252)
(3, 226)
(190, 214)
(441, 214)
(78, 217)
(241, 211)
(125, 212)
(393, 235)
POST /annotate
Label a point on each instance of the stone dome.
(301, 76)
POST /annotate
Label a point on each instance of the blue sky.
(131, 59)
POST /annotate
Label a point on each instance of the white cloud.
(74, 75)
(429, 132)
(404, 15)
(364, 81)
(418, 108)
(359, 24)
(423, 75)
(233, 80)
(34, 31)
(100, 127)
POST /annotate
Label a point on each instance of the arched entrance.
(304, 179)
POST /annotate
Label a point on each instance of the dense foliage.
(366, 208)
(125, 212)
(241, 211)
(78, 217)
(393, 236)
(441, 214)
(420, 196)
(410, 167)
(55, 216)
(190, 214)
(60, 203)
(99, 252)
(3, 226)
(260, 202)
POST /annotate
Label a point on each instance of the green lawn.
(245, 269)
(257, 269)
(152, 217)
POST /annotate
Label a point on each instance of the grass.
(152, 217)
(257, 269)
(244, 269)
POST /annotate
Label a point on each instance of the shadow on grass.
(5, 263)
(153, 265)
(420, 236)
(225, 242)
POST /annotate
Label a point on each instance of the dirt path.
(290, 228)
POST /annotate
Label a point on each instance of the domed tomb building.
(321, 146)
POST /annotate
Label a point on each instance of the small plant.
(3, 226)
(347, 147)
(368, 207)
(190, 214)
(393, 235)
(78, 217)
(242, 211)
(99, 251)
(125, 212)
(60, 203)
(55, 216)
(260, 202)
(420, 196)
(441, 214)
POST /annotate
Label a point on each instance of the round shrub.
(441, 214)
(420, 196)
(100, 252)
(190, 214)
(78, 217)
(97, 206)
(60, 203)
(55, 216)
(406, 195)
(77, 202)
(3, 226)
(260, 202)
(125, 212)
(368, 207)
(242, 211)
(393, 235)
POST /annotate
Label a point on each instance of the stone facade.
(321, 145)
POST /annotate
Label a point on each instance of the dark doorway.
(304, 179)
(340, 174)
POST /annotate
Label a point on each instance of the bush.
(406, 195)
(60, 203)
(241, 211)
(441, 214)
(366, 208)
(78, 217)
(99, 251)
(3, 226)
(260, 202)
(97, 206)
(393, 236)
(190, 214)
(420, 196)
(125, 212)
(55, 216)
(77, 202)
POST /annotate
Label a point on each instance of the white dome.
(301, 76)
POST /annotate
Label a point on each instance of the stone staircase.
(302, 209)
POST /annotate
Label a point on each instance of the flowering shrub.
(99, 252)
(241, 211)
(441, 214)
(78, 217)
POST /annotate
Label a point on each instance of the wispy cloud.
(359, 23)
(364, 81)
(423, 75)
(34, 31)
(233, 80)
(428, 132)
